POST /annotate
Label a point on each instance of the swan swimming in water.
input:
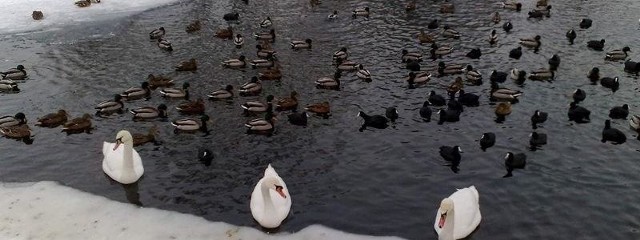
(458, 215)
(270, 200)
(121, 162)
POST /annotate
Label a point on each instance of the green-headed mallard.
(418, 78)
(252, 88)
(298, 44)
(438, 51)
(8, 121)
(191, 107)
(531, 42)
(450, 33)
(225, 93)
(190, 125)
(450, 69)
(235, 62)
(78, 125)
(238, 40)
(341, 54)
(165, 44)
(264, 52)
(136, 93)
(187, 65)
(147, 113)
(52, 120)
(266, 23)
(347, 65)
(157, 33)
(503, 94)
(473, 76)
(177, 93)
(363, 74)
(263, 63)
(360, 12)
(618, 54)
(257, 106)
(328, 82)
(542, 74)
(110, 106)
(9, 86)
(411, 56)
(261, 125)
(493, 37)
(17, 73)
(270, 36)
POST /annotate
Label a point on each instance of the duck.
(273, 73)
(538, 117)
(450, 33)
(585, 23)
(455, 86)
(159, 81)
(507, 26)
(473, 76)
(341, 54)
(487, 140)
(238, 41)
(134, 93)
(333, 15)
(579, 95)
(321, 109)
(190, 125)
(411, 56)
(264, 52)
(268, 36)
(451, 69)
(503, 94)
(191, 107)
(516, 53)
(347, 65)
(252, 88)
(474, 53)
(263, 126)
(270, 61)
(257, 106)
(435, 99)
(612, 134)
(231, 16)
(148, 113)
(9, 86)
(78, 125)
(157, 33)
(83, 3)
(362, 12)
(9, 121)
(495, 17)
(468, 99)
(611, 83)
(165, 44)
(634, 123)
(512, 5)
(542, 3)
(451, 155)
(434, 24)
(531, 42)
(493, 37)
(375, 121)
(536, 14)
(187, 65)
(458, 215)
(298, 119)
(594, 75)
(270, 201)
(17, 73)
(545, 10)
(425, 38)
(328, 82)
(536, 140)
(177, 93)
(193, 26)
(441, 50)
(225, 93)
(363, 73)
(631, 67)
(52, 120)
(392, 114)
(235, 62)
(619, 112)
(596, 45)
(225, 33)
(121, 161)
(18, 132)
(571, 35)
(578, 114)
(448, 115)
(140, 139)
(288, 103)
(514, 161)
(502, 110)
(518, 76)
(418, 78)
(447, 7)
(497, 76)
(618, 54)
(266, 23)
(110, 106)
(542, 74)
(298, 44)
(425, 111)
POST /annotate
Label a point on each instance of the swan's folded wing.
(467, 210)
(107, 147)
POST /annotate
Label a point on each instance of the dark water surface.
(378, 182)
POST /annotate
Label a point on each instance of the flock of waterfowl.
(126, 167)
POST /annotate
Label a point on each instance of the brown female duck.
(78, 125)
(191, 107)
(288, 103)
(52, 120)
(321, 109)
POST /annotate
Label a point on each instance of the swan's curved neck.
(447, 229)
(269, 208)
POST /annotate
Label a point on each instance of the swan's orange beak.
(443, 217)
(279, 190)
(118, 142)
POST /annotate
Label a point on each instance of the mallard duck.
(596, 45)
(270, 74)
(190, 125)
(141, 138)
(225, 33)
(425, 38)
(257, 106)
(266, 23)
(473, 76)
(188, 65)
(329, 83)
(418, 78)
(297, 44)
(264, 52)
(231, 16)
(52, 120)
(333, 15)
(594, 75)
(9, 121)
(347, 65)
(618, 54)
(78, 125)
(495, 17)
(37, 15)
(362, 12)
(410, 6)
(165, 44)
(135, 93)
(411, 56)
(159, 81)
(225, 93)
(511, 5)
(288, 103)
(191, 107)
(545, 10)
(321, 109)
(455, 86)
(16, 132)
(439, 51)
(146, 113)
(271, 35)
(157, 33)
(542, 3)
(110, 106)
(507, 26)
(503, 94)
(542, 74)
(447, 7)
(263, 63)
(261, 125)
(177, 93)
(634, 123)
(502, 110)
(238, 41)
(193, 26)
(83, 3)
(235, 62)
(493, 37)
(531, 42)
(571, 35)
(450, 33)
(17, 73)
(9, 86)
(341, 54)
(451, 69)
(252, 88)
(363, 74)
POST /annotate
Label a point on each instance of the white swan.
(122, 164)
(634, 123)
(458, 215)
(270, 200)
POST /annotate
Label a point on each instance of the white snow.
(47, 210)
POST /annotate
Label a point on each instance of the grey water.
(377, 182)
